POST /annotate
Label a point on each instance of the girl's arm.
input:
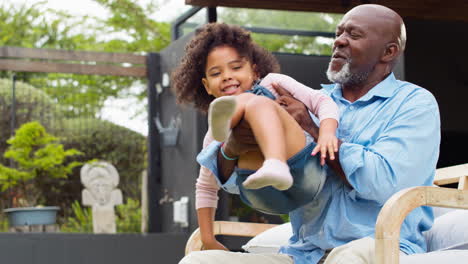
(206, 200)
(205, 221)
(318, 103)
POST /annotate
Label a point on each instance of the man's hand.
(241, 140)
(297, 110)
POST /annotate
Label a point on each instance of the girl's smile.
(227, 72)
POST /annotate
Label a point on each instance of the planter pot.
(27, 216)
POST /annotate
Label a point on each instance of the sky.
(115, 110)
(169, 10)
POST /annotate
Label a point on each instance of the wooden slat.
(51, 67)
(194, 243)
(16, 52)
(450, 174)
(239, 228)
(434, 9)
(463, 184)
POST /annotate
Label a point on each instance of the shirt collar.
(384, 89)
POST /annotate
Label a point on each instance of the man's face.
(356, 50)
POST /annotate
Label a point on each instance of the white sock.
(219, 116)
(273, 173)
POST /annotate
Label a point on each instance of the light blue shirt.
(391, 140)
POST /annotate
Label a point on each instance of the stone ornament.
(100, 180)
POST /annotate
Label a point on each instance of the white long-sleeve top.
(321, 105)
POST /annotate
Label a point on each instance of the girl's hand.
(213, 244)
(327, 142)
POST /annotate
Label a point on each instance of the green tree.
(129, 29)
(285, 20)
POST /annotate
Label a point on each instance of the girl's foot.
(273, 173)
(219, 116)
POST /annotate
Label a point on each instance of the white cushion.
(439, 211)
(450, 231)
(270, 240)
(437, 257)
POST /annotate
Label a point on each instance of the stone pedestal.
(34, 229)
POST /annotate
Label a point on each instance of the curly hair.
(187, 77)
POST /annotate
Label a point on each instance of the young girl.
(223, 62)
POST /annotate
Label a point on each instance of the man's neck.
(352, 92)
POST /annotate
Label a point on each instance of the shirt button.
(351, 107)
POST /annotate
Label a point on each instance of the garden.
(39, 169)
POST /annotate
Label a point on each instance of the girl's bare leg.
(269, 123)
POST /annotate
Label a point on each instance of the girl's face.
(227, 73)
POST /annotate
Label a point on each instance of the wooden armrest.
(194, 243)
(387, 228)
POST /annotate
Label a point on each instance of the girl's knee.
(256, 102)
(245, 97)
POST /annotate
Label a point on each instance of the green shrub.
(128, 218)
(31, 105)
(38, 158)
(80, 222)
(4, 225)
(98, 139)
(285, 218)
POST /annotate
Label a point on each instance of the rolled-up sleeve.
(206, 188)
(399, 157)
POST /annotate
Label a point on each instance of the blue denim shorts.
(309, 178)
(260, 90)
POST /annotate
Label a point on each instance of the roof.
(451, 10)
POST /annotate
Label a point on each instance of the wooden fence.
(78, 62)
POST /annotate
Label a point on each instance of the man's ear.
(207, 87)
(392, 50)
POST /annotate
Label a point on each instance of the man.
(389, 135)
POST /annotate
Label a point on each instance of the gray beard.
(345, 76)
